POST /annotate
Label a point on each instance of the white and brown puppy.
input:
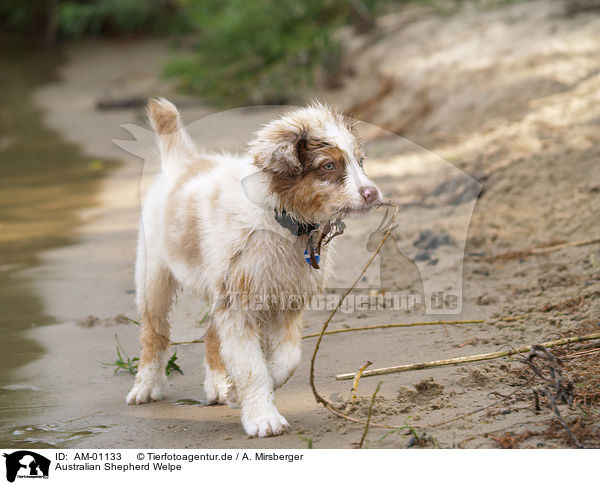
(229, 226)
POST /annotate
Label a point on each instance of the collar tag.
(307, 257)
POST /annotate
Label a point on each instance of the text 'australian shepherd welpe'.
(231, 227)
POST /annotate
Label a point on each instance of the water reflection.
(44, 183)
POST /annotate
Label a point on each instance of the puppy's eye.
(329, 166)
(361, 161)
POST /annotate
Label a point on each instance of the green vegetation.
(131, 364)
(406, 430)
(232, 52)
(76, 19)
(308, 440)
(237, 52)
(263, 51)
(66, 19)
(126, 363)
(172, 367)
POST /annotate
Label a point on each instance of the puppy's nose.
(370, 194)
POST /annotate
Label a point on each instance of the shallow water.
(44, 184)
(52, 436)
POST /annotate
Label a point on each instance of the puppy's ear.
(303, 151)
(281, 147)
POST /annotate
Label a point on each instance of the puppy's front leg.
(245, 362)
(284, 338)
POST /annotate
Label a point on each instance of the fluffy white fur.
(208, 224)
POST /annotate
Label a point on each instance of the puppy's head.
(314, 159)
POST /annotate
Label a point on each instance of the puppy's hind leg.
(155, 292)
(215, 380)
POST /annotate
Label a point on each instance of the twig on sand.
(197, 341)
(469, 358)
(320, 399)
(555, 387)
(560, 419)
(358, 329)
(543, 250)
(572, 244)
(357, 378)
(369, 413)
(512, 319)
(393, 325)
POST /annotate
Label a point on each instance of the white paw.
(232, 399)
(216, 387)
(215, 398)
(142, 393)
(263, 425)
(149, 384)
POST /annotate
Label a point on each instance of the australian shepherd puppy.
(236, 227)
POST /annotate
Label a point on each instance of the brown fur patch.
(190, 243)
(156, 302)
(292, 326)
(335, 155)
(304, 195)
(193, 169)
(281, 155)
(164, 116)
(213, 349)
(240, 289)
(185, 242)
(153, 343)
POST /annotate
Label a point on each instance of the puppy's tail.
(174, 142)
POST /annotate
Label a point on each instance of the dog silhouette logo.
(26, 464)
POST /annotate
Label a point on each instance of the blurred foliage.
(263, 51)
(232, 52)
(119, 16)
(66, 19)
(237, 51)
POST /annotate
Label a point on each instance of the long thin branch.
(571, 244)
(357, 378)
(469, 358)
(393, 325)
(369, 414)
(359, 329)
(544, 250)
(318, 397)
(197, 341)
(560, 419)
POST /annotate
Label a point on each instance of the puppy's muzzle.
(370, 194)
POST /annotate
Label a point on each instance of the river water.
(45, 182)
